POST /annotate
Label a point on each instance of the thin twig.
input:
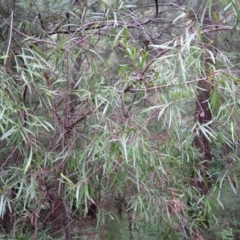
(8, 157)
(166, 85)
(10, 37)
(9, 41)
(66, 220)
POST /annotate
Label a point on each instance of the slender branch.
(35, 226)
(68, 89)
(214, 28)
(10, 37)
(9, 40)
(153, 60)
(156, 6)
(66, 220)
(80, 119)
(107, 24)
(57, 115)
(9, 157)
(166, 85)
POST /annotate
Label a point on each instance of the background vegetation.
(119, 119)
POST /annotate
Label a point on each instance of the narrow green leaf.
(124, 146)
(115, 19)
(29, 160)
(182, 68)
(118, 36)
(216, 16)
(232, 132)
(236, 10)
(215, 99)
(67, 179)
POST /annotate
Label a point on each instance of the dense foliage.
(119, 119)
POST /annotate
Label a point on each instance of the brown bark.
(57, 218)
(203, 113)
(202, 116)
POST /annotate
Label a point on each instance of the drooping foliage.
(117, 122)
